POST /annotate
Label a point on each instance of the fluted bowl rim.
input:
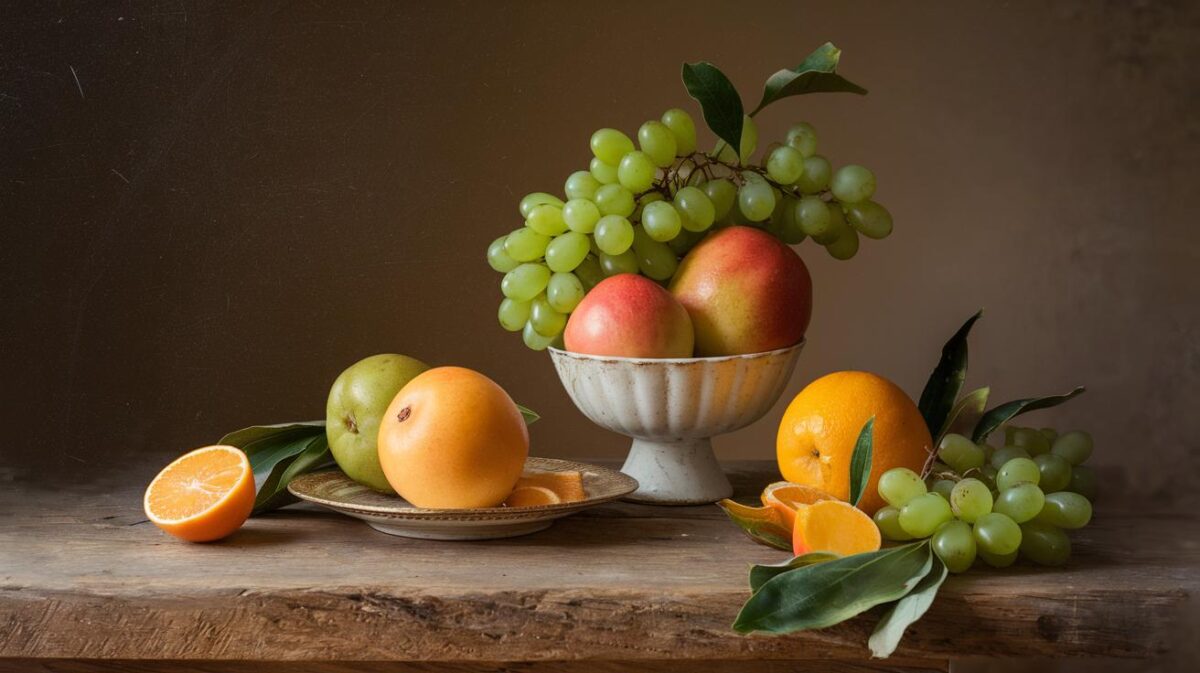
(558, 352)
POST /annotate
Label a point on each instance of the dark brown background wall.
(208, 210)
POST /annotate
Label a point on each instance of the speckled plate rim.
(558, 352)
(303, 487)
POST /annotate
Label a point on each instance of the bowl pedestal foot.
(682, 472)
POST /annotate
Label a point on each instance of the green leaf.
(860, 461)
(816, 74)
(906, 611)
(529, 415)
(946, 380)
(719, 100)
(273, 494)
(821, 595)
(965, 414)
(760, 573)
(1000, 415)
(762, 524)
(255, 433)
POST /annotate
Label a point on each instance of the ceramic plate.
(392, 515)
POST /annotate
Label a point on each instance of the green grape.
(1021, 502)
(636, 172)
(1044, 544)
(605, 174)
(547, 219)
(1066, 510)
(960, 453)
(997, 534)
(852, 184)
(684, 242)
(922, 515)
(955, 545)
(1050, 434)
(1033, 441)
(525, 282)
(581, 215)
(658, 142)
(845, 246)
(536, 199)
(803, 138)
(626, 262)
(887, 519)
(1084, 482)
(589, 273)
(1016, 471)
(661, 221)
(513, 314)
(655, 259)
(1074, 447)
(1056, 472)
(545, 320)
(943, 487)
(970, 500)
(534, 340)
(756, 200)
(814, 217)
(581, 185)
(899, 485)
(609, 145)
(987, 474)
(870, 219)
(998, 560)
(1010, 434)
(790, 231)
(643, 201)
(614, 200)
(722, 193)
(696, 209)
(564, 292)
(816, 174)
(785, 165)
(1007, 453)
(614, 234)
(567, 251)
(526, 245)
(683, 128)
(498, 257)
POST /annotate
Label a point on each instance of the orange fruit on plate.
(835, 526)
(202, 496)
(821, 426)
(786, 497)
(566, 486)
(452, 438)
(532, 496)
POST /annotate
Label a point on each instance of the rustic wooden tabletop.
(86, 584)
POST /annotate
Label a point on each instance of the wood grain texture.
(82, 578)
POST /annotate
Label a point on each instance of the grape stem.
(674, 178)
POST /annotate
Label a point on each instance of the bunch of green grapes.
(995, 504)
(641, 208)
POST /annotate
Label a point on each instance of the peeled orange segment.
(568, 486)
(786, 497)
(204, 495)
(531, 496)
(834, 526)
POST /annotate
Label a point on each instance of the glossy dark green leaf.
(965, 414)
(860, 461)
(273, 493)
(941, 391)
(760, 573)
(890, 629)
(1000, 415)
(719, 100)
(816, 74)
(824, 594)
(256, 433)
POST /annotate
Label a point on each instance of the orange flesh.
(568, 486)
(205, 495)
(836, 526)
(531, 496)
(786, 497)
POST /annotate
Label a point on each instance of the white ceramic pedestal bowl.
(672, 408)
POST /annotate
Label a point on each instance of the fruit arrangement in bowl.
(664, 280)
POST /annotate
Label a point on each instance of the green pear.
(357, 402)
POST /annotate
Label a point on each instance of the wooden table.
(85, 584)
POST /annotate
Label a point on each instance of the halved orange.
(835, 526)
(203, 495)
(531, 496)
(786, 497)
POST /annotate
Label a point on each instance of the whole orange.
(452, 438)
(821, 426)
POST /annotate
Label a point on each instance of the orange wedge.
(835, 526)
(786, 497)
(567, 485)
(203, 496)
(531, 496)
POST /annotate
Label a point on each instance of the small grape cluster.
(641, 209)
(994, 504)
